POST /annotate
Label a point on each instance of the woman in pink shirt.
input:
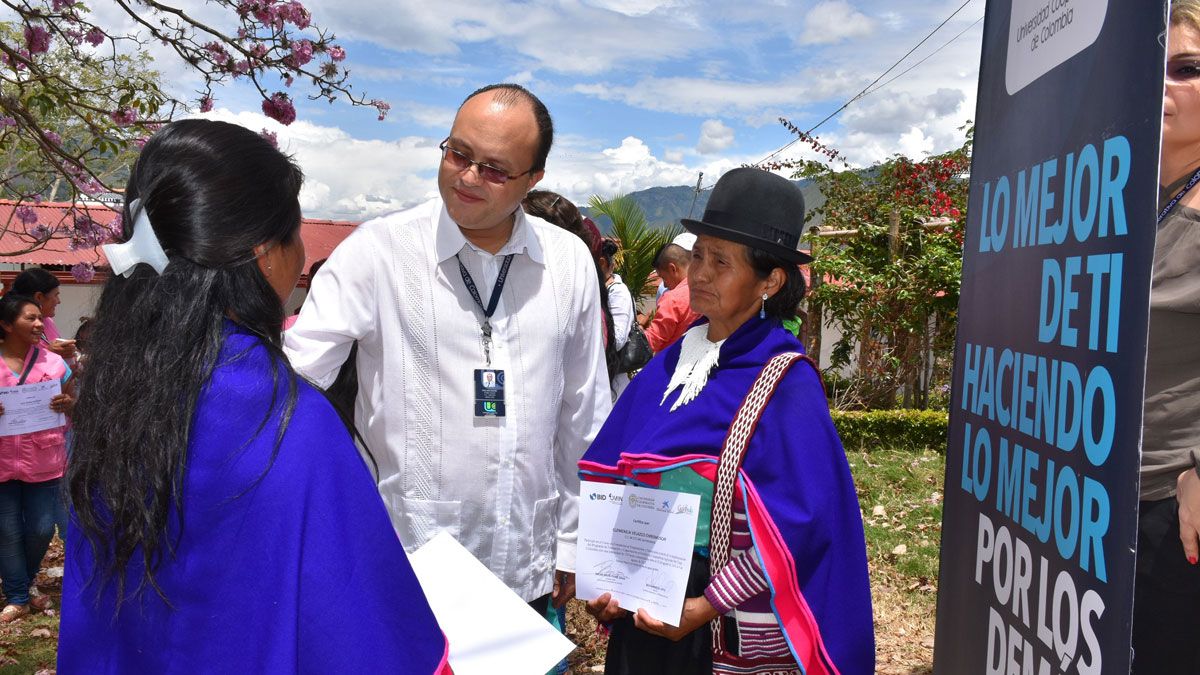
(42, 286)
(31, 464)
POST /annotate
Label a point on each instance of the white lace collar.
(697, 357)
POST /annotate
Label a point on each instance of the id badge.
(489, 392)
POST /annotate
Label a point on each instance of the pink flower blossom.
(60, 5)
(288, 80)
(94, 37)
(279, 108)
(295, 13)
(37, 39)
(382, 106)
(271, 137)
(53, 138)
(26, 215)
(206, 104)
(259, 50)
(241, 68)
(302, 53)
(216, 52)
(337, 53)
(124, 117)
(141, 142)
(83, 272)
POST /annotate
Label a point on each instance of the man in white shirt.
(476, 423)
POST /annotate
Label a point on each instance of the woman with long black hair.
(223, 520)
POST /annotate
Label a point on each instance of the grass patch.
(900, 492)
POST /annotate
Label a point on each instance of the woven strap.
(732, 454)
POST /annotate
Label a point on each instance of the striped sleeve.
(739, 581)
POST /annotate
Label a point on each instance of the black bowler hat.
(756, 208)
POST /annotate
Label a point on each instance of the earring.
(762, 313)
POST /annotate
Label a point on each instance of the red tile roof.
(320, 236)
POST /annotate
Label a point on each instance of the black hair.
(608, 249)
(672, 253)
(10, 308)
(510, 94)
(786, 301)
(212, 191)
(34, 280)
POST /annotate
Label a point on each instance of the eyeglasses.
(461, 162)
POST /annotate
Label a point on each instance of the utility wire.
(905, 71)
(866, 89)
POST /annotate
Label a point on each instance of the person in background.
(1166, 606)
(223, 519)
(620, 303)
(554, 208)
(674, 314)
(785, 590)
(31, 464)
(43, 287)
(312, 272)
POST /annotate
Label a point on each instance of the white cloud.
(714, 137)
(834, 21)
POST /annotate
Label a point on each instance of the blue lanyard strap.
(486, 325)
(1175, 200)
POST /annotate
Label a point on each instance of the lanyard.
(486, 324)
(1175, 200)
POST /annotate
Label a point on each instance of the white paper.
(636, 543)
(490, 628)
(27, 408)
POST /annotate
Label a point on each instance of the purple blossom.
(83, 272)
(94, 37)
(40, 233)
(241, 68)
(206, 104)
(7, 121)
(26, 215)
(53, 138)
(60, 5)
(124, 117)
(259, 50)
(337, 53)
(271, 137)
(302, 53)
(37, 39)
(279, 108)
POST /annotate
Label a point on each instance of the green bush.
(915, 429)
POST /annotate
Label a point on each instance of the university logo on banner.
(1040, 518)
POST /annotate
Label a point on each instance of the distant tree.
(894, 275)
(77, 98)
(639, 241)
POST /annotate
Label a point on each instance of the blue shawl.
(796, 483)
(299, 572)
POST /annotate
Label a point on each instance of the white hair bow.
(142, 247)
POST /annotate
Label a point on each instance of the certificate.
(636, 543)
(490, 628)
(27, 408)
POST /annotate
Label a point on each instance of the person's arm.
(666, 322)
(585, 404)
(620, 304)
(340, 308)
(1188, 495)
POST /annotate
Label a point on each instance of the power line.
(873, 82)
(905, 71)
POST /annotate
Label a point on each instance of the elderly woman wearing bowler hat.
(736, 413)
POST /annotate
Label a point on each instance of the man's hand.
(564, 588)
(1188, 495)
(605, 608)
(696, 612)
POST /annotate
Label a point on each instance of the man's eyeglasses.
(461, 162)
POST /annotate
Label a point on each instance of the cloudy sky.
(643, 92)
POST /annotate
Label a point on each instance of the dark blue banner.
(1040, 518)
